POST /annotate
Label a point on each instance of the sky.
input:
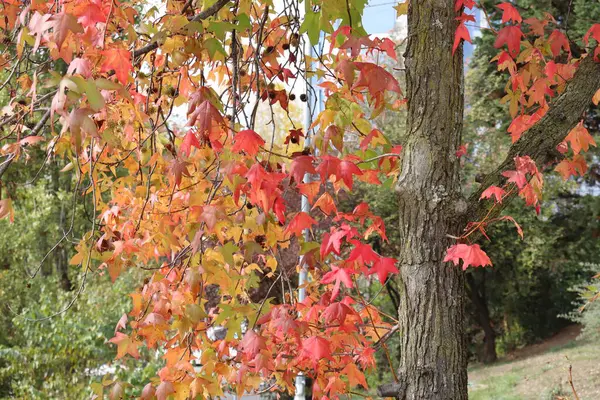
(379, 16)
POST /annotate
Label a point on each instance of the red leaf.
(189, 140)
(516, 177)
(252, 344)
(594, 32)
(495, 191)
(383, 267)
(316, 348)
(470, 254)
(558, 41)
(462, 33)
(247, 141)
(376, 79)
(510, 13)
(337, 275)
(337, 311)
(345, 172)
(511, 37)
(62, 24)
(300, 166)
(300, 222)
(118, 60)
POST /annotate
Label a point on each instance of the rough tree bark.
(431, 313)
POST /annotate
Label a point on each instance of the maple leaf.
(580, 139)
(337, 311)
(332, 241)
(469, 254)
(300, 166)
(345, 171)
(125, 345)
(247, 141)
(6, 210)
(494, 191)
(326, 204)
(516, 177)
(252, 344)
(354, 375)
(310, 190)
(593, 32)
(509, 13)
(62, 23)
(462, 33)
(337, 275)
(316, 348)
(164, 390)
(458, 4)
(204, 114)
(375, 78)
(300, 222)
(511, 37)
(383, 267)
(328, 167)
(567, 168)
(355, 44)
(148, 392)
(118, 60)
(558, 41)
(189, 140)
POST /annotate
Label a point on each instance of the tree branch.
(541, 140)
(209, 12)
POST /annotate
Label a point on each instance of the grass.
(541, 375)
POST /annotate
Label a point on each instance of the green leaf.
(94, 96)
(311, 26)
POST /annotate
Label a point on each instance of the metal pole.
(305, 205)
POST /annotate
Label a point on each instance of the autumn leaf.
(337, 311)
(326, 204)
(6, 210)
(493, 191)
(316, 348)
(509, 13)
(462, 33)
(558, 41)
(337, 275)
(511, 37)
(247, 141)
(354, 375)
(118, 60)
(469, 254)
(516, 177)
(300, 222)
(62, 24)
(189, 140)
(252, 344)
(580, 139)
(125, 345)
(383, 267)
(300, 166)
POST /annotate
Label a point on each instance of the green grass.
(540, 376)
(497, 387)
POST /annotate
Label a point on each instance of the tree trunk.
(431, 314)
(482, 314)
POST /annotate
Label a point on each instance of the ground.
(541, 371)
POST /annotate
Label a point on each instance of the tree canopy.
(155, 114)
